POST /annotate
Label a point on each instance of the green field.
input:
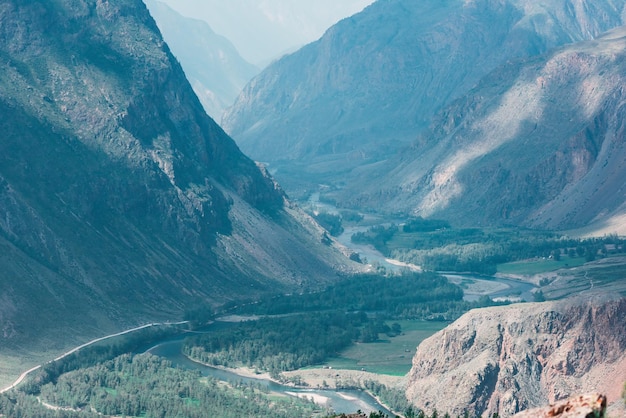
(539, 265)
(391, 356)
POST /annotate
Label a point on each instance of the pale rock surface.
(583, 406)
(508, 359)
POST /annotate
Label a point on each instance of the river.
(340, 401)
(474, 285)
(349, 401)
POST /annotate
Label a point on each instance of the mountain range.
(384, 109)
(121, 201)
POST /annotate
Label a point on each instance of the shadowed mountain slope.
(376, 79)
(121, 201)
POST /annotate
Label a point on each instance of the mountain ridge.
(122, 201)
(375, 82)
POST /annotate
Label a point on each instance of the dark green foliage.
(476, 250)
(401, 296)
(394, 398)
(378, 236)
(306, 329)
(95, 354)
(199, 314)
(330, 222)
(278, 344)
(145, 385)
(420, 224)
(350, 216)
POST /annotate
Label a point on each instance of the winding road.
(80, 347)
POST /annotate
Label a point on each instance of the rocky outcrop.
(121, 201)
(512, 358)
(584, 406)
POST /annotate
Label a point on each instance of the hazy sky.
(262, 30)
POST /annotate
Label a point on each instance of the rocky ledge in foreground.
(583, 406)
(512, 358)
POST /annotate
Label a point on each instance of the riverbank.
(318, 379)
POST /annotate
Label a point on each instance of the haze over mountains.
(121, 200)
(264, 30)
(212, 64)
(342, 111)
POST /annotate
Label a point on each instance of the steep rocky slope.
(538, 143)
(588, 405)
(512, 358)
(212, 65)
(121, 201)
(376, 79)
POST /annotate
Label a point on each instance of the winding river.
(340, 401)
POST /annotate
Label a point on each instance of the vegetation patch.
(347, 322)
(390, 355)
(145, 385)
(436, 246)
(539, 265)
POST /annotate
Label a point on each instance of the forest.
(144, 385)
(148, 386)
(302, 330)
(436, 246)
(396, 296)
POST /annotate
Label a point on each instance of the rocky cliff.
(336, 108)
(121, 201)
(583, 406)
(512, 358)
(538, 143)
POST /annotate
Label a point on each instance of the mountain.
(374, 81)
(211, 63)
(264, 30)
(539, 142)
(121, 201)
(512, 358)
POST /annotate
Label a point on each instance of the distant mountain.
(121, 201)
(374, 81)
(264, 30)
(213, 66)
(511, 358)
(538, 142)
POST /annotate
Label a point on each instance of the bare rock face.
(583, 406)
(539, 142)
(508, 359)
